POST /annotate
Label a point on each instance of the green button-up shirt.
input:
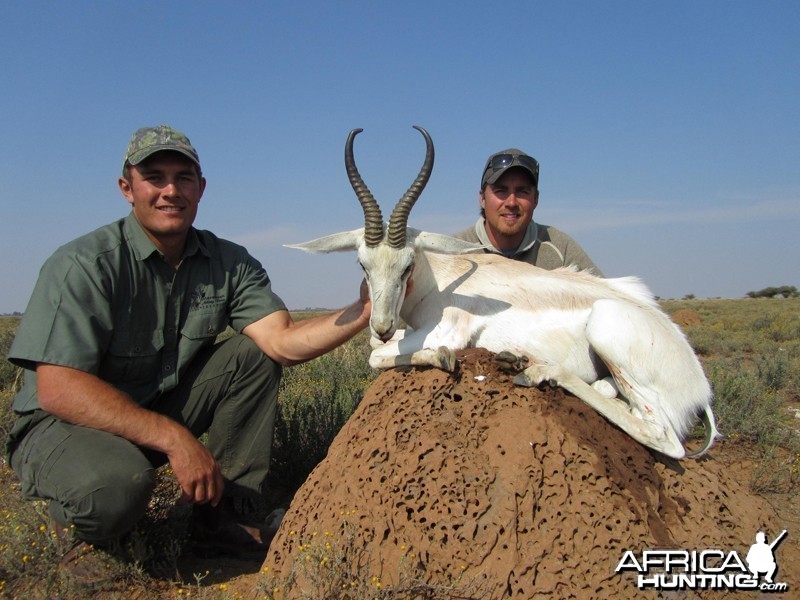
(109, 304)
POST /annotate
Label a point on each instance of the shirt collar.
(143, 247)
(531, 236)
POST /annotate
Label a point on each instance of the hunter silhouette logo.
(760, 558)
(711, 569)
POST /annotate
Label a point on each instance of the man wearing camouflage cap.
(124, 369)
(508, 196)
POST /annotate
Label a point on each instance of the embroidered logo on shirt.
(203, 298)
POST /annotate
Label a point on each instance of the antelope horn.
(396, 236)
(373, 219)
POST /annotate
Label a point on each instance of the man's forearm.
(290, 342)
(319, 335)
(84, 399)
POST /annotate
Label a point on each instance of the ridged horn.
(373, 219)
(396, 236)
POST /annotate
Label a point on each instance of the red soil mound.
(686, 317)
(527, 491)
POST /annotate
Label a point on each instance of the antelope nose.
(383, 329)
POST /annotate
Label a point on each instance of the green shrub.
(315, 400)
(8, 372)
(745, 405)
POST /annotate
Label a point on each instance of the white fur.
(575, 329)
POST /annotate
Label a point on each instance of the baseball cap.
(149, 140)
(499, 162)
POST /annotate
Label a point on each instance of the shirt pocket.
(134, 356)
(204, 328)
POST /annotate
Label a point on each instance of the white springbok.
(571, 328)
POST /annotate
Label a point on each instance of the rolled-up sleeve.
(252, 297)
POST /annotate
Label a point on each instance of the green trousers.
(101, 483)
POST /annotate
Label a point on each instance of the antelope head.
(386, 252)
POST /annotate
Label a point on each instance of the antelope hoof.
(533, 376)
(523, 380)
(508, 362)
(446, 358)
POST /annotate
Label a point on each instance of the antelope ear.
(337, 242)
(441, 244)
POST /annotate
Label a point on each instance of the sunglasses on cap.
(504, 161)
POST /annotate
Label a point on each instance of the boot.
(220, 531)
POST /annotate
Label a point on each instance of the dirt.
(686, 317)
(514, 492)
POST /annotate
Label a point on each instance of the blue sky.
(667, 132)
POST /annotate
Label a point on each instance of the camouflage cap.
(149, 140)
(500, 162)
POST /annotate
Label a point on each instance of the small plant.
(336, 566)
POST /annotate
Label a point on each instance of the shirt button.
(167, 368)
(212, 330)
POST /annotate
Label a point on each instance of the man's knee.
(255, 373)
(251, 357)
(96, 481)
(107, 503)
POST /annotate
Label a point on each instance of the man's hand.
(364, 299)
(197, 472)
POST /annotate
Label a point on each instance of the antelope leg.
(653, 435)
